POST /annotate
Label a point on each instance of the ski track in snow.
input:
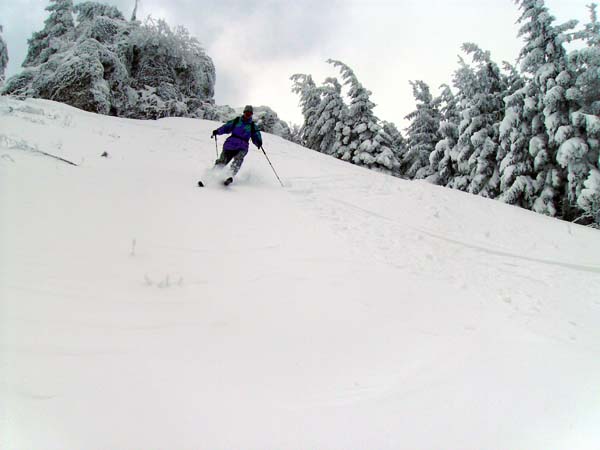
(348, 310)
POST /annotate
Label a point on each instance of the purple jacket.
(241, 132)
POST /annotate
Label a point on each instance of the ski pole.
(216, 146)
(274, 171)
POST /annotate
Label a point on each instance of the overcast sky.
(257, 45)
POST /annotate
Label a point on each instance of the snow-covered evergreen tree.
(466, 85)
(578, 155)
(310, 100)
(3, 57)
(516, 164)
(168, 67)
(440, 160)
(544, 59)
(55, 35)
(330, 112)
(363, 140)
(397, 141)
(589, 200)
(112, 66)
(88, 11)
(479, 128)
(586, 64)
(514, 82)
(579, 152)
(422, 133)
(134, 13)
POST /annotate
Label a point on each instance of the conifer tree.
(482, 114)
(442, 167)
(134, 13)
(397, 141)
(517, 185)
(589, 199)
(108, 65)
(514, 82)
(579, 141)
(310, 100)
(51, 39)
(422, 133)
(465, 82)
(3, 57)
(363, 140)
(331, 112)
(544, 59)
(586, 63)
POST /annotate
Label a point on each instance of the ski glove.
(214, 133)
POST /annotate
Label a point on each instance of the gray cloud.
(269, 28)
(251, 41)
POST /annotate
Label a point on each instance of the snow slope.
(350, 310)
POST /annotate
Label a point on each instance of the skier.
(235, 148)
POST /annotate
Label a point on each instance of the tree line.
(528, 135)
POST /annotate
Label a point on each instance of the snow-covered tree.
(55, 35)
(447, 104)
(363, 140)
(589, 200)
(516, 165)
(310, 99)
(465, 82)
(134, 13)
(88, 11)
(3, 57)
(535, 114)
(440, 160)
(544, 59)
(479, 128)
(295, 134)
(422, 133)
(168, 67)
(109, 65)
(269, 122)
(330, 112)
(397, 141)
(579, 152)
(586, 64)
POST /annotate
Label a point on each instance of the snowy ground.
(350, 310)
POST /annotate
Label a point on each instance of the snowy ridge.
(349, 310)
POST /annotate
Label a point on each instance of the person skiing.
(235, 148)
